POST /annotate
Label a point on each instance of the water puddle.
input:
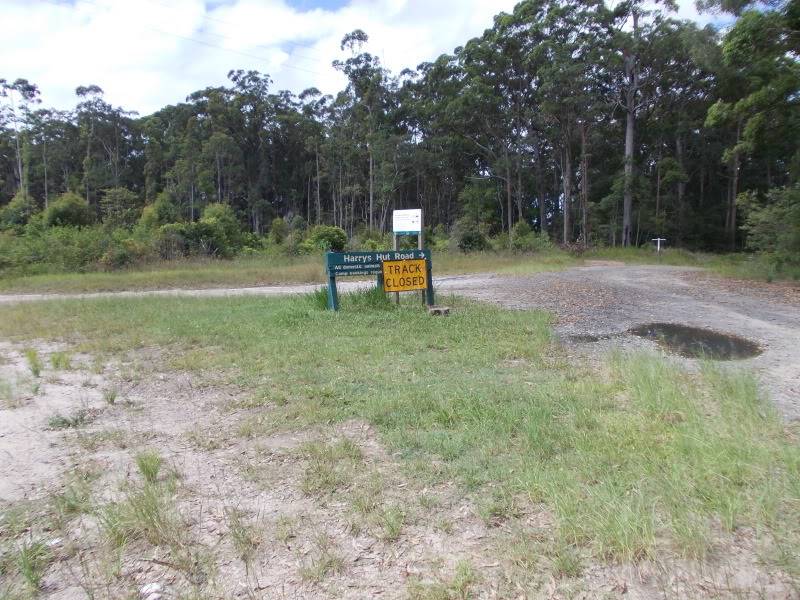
(694, 342)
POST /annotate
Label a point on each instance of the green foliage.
(120, 207)
(124, 253)
(524, 239)
(774, 227)
(467, 236)
(325, 238)
(69, 209)
(32, 559)
(53, 249)
(278, 230)
(17, 212)
(34, 362)
(217, 233)
(149, 465)
(161, 212)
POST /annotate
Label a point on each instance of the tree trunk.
(44, 161)
(632, 77)
(509, 197)
(730, 223)
(540, 187)
(585, 185)
(566, 178)
(319, 200)
(371, 190)
(680, 191)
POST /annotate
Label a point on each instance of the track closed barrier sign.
(405, 275)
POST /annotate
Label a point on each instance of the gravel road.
(609, 298)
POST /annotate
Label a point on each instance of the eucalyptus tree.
(367, 94)
(18, 96)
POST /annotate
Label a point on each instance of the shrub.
(298, 223)
(120, 207)
(159, 213)
(124, 253)
(326, 238)
(16, 213)
(524, 239)
(170, 241)
(221, 227)
(69, 209)
(468, 237)
(774, 228)
(278, 230)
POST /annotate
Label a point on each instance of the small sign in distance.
(405, 275)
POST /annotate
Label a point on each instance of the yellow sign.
(405, 275)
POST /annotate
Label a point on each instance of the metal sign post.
(658, 243)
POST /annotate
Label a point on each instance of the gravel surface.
(607, 298)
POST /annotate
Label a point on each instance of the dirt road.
(608, 298)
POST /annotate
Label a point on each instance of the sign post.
(658, 243)
(396, 270)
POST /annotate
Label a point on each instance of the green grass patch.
(640, 459)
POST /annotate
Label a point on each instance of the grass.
(32, 559)
(329, 466)
(484, 398)
(61, 361)
(149, 465)
(110, 396)
(146, 513)
(323, 561)
(457, 588)
(77, 419)
(34, 362)
(244, 535)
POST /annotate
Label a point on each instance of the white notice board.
(407, 221)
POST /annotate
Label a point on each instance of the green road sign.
(338, 264)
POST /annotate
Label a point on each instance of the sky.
(146, 54)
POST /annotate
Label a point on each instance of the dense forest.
(579, 122)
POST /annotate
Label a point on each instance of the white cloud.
(150, 53)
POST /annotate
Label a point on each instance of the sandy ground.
(204, 432)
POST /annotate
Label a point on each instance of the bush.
(298, 224)
(220, 226)
(53, 249)
(524, 239)
(16, 213)
(160, 212)
(69, 209)
(278, 231)
(124, 253)
(468, 237)
(775, 227)
(325, 238)
(120, 207)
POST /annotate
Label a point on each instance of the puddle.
(694, 342)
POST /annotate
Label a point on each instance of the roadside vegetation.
(269, 268)
(632, 459)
